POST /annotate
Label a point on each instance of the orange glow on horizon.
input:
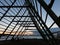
(24, 33)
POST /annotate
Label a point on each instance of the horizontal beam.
(22, 21)
(20, 16)
(30, 29)
(18, 35)
(26, 24)
(14, 6)
(29, 26)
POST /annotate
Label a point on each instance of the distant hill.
(53, 30)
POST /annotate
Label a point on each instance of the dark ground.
(27, 42)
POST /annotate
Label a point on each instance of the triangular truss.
(17, 15)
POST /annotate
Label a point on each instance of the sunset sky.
(55, 8)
